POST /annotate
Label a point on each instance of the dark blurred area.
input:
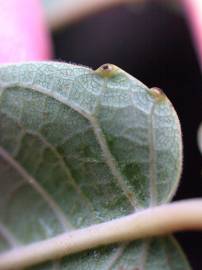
(153, 43)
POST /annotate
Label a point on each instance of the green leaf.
(79, 147)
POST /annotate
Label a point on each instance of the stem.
(159, 220)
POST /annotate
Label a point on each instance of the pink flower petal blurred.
(193, 9)
(23, 33)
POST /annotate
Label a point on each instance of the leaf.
(199, 135)
(79, 147)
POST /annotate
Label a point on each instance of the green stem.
(158, 220)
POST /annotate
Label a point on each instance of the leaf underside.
(78, 147)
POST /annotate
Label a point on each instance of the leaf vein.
(65, 168)
(152, 159)
(8, 236)
(30, 180)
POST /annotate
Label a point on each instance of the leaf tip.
(107, 70)
(158, 94)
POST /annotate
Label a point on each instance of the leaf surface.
(79, 147)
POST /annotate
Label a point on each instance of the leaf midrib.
(152, 158)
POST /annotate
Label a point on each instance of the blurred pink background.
(193, 10)
(23, 32)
